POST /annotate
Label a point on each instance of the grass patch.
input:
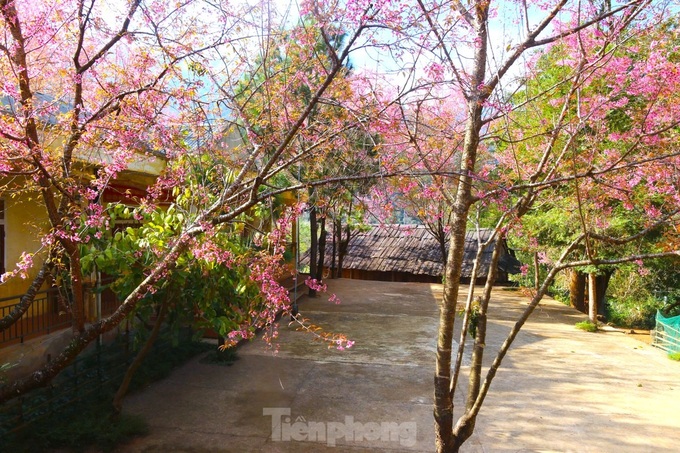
(674, 356)
(587, 326)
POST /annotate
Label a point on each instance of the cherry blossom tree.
(621, 209)
(425, 151)
(92, 88)
(460, 49)
(513, 169)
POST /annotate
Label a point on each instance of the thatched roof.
(411, 249)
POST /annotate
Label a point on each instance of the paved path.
(560, 389)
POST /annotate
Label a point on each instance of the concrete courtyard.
(559, 389)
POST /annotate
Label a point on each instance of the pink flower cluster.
(316, 285)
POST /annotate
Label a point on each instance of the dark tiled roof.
(411, 249)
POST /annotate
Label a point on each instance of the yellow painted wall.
(25, 224)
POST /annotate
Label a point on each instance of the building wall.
(359, 274)
(26, 220)
(25, 224)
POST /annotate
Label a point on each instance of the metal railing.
(666, 337)
(47, 313)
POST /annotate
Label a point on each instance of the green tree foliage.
(555, 222)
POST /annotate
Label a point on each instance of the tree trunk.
(314, 241)
(537, 272)
(336, 233)
(446, 439)
(466, 424)
(26, 300)
(441, 240)
(78, 291)
(322, 249)
(602, 282)
(139, 359)
(344, 244)
(577, 290)
(592, 298)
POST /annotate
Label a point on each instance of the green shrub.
(560, 295)
(674, 356)
(587, 326)
(634, 314)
